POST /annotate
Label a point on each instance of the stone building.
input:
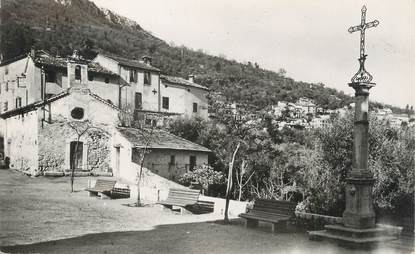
(62, 113)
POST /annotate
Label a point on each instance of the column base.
(359, 212)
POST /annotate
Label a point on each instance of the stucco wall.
(96, 111)
(107, 91)
(21, 141)
(181, 99)
(17, 87)
(176, 95)
(158, 162)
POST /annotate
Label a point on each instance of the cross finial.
(362, 75)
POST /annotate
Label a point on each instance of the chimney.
(147, 60)
(192, 78)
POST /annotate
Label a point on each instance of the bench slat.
(270, 210)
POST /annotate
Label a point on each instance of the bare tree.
(81, 128)
(230, 182)
(240, 177)
(148, 138)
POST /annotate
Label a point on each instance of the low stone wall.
(235, 207)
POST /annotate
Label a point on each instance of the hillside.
(60, 26)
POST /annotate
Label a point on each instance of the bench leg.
(251, 223)
(279, 227)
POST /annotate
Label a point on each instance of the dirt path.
(40, 215)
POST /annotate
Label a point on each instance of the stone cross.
(362, 28)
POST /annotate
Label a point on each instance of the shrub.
(203, 175)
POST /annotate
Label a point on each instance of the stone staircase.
(353, 237)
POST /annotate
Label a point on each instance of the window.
(78, 72)
(194, 107)
(192, 162)
(172, 160)
(50, 76)
(7, 86)
(148, 121)
(133, 76)
(6, 106)
(107, 80)
(77, 113)
(90, 77)
(147, 78)
(165, 102)
(18, 102)
(138, 101)
(6, 70)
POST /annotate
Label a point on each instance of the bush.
(203, 175)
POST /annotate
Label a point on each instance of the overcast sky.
(307, 38)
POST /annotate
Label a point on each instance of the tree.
(81, 128)
(240, 178)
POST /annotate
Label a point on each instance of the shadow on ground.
(205, 237)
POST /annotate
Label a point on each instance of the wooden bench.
(120, 193)
(102, 187)
(183, 198)
(202, 207)
(277, 212)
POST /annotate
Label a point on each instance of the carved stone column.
(359, 212)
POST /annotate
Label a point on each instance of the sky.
(309, 39)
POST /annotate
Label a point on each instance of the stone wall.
(54, 140)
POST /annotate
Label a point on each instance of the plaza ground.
(40, 215)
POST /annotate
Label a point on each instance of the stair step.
(330, 235)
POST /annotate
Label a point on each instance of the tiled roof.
(159, 139)
(36, 105)
(132, 63)
(44, 59)
(182, 81)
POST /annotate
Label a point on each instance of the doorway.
(76, 154)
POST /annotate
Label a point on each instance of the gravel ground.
(40, 215)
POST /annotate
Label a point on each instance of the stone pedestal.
(359, 211)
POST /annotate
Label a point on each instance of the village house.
(168, 155)
(74, 120)
(149, 94)
(184, 97)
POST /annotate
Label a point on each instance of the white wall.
(21, 141)
(181, 99)
(94, 110)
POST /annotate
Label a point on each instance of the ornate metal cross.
(362, 75)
